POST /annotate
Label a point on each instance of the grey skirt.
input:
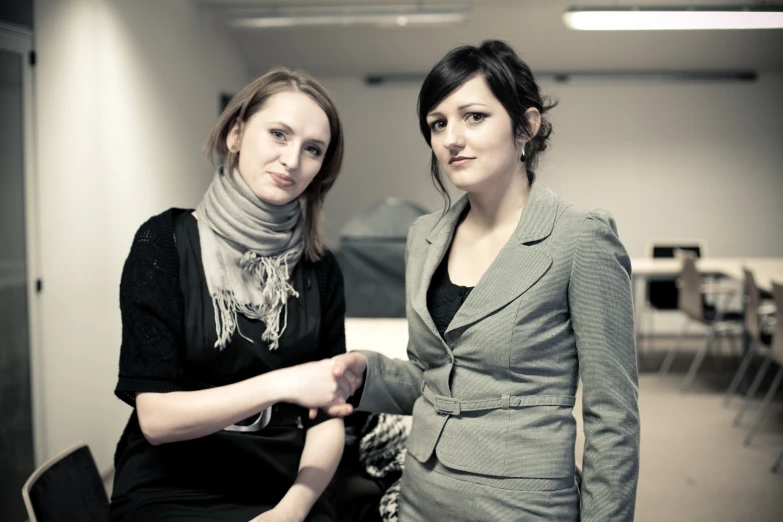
(431, 492)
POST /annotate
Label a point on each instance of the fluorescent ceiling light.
(390, 16)
(673, 18)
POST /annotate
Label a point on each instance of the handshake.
(326, 384)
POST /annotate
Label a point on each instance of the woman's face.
(282, 146)
(472, 137)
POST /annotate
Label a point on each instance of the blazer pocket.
(425, 429)
(524, 442)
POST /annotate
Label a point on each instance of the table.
(765, 269)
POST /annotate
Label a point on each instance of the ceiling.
(533, 27)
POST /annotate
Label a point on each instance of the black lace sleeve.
(152, 308)
(332, 336)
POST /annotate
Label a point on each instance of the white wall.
(676, 160)
(669, 160)
(126, 95)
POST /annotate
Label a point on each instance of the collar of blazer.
(518, 266)
(537, 221)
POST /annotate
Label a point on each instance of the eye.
(313, 151)
(437, 125)
(476, 117)
(277, 134)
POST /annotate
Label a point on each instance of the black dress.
(225, 476)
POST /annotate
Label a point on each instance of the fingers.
(354, 380)
(358, 380)
(350, 367)
(344, 390)
(337, 369)
(353, 361)
(346, 373)
(339, 410)
(348, 382)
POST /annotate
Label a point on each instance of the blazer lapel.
(519, 265)
(438, 240)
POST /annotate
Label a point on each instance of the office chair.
(759, 338)
(690, 300)
(775, 353)
(661, 295)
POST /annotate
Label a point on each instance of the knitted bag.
(381, 452)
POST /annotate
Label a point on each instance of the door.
(17, 288)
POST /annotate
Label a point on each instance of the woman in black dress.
(230, 314)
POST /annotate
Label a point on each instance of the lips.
(460, 160)
(282, 180)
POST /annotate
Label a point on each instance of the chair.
(67, 488)
(754, 386)
(662, 295)
(756, 318)
(691, 301)
(776, 353)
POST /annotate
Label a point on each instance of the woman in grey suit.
(513, 294)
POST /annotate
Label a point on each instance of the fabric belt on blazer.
(449, 406)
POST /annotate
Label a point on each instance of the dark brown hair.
(248, 102)
(511, 82)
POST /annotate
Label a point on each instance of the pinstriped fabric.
(608, 369)
(555, 302)
(468, 497)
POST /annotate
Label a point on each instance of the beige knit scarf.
(249, 248)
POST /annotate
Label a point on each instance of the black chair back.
(664, 295)
(67, 488)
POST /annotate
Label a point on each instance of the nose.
(289, 157)
(453, 138)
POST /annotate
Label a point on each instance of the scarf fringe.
(271, 274)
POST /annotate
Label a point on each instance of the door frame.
(17, 39)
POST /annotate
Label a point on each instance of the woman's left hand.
(278, 514)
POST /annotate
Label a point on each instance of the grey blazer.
(496, 397)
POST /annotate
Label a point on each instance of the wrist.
(275, 387)
(293, 509)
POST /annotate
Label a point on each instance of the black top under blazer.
(495, 395)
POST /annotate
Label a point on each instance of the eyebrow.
(460, 108)
(289, 129)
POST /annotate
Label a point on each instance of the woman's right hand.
(314, 385)
(350, 367)
(186, 415)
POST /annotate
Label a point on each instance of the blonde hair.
(249, 101)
